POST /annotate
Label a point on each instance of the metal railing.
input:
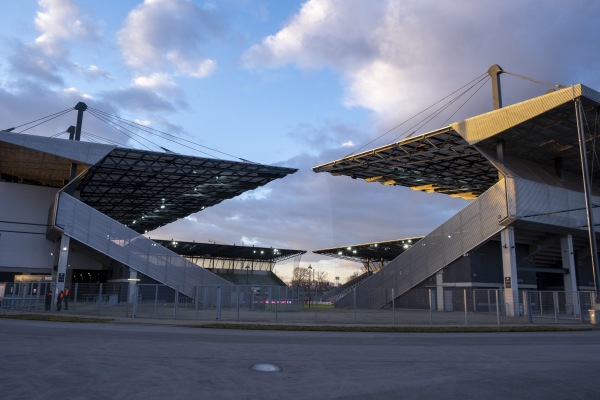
(277, 304)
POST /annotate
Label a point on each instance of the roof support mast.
(60, 277)
(494, 72)
(588, 202)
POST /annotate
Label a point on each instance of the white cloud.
(398, 57)
(155, 81)
(169, 34)
(256, 194)
(60, 20)
(349, 143)
(143, 122)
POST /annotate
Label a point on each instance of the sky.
(289, 83)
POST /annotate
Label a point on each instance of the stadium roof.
(229, 252)
(141, 189)
(461, 159)
(368, 252)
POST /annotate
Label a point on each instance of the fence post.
(100, 299)
(155, 300)
(196, 302)
(237, 291)
(529, 308)
(393, 308)
(176, 302)
(578, 294)
(135, 301)
(75, 296)
(430, 307)
(218, 303)
(497, 309)
(465, 304)
(555, 299)
(354, 300)
(277, 302)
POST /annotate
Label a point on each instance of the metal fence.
(276, 304)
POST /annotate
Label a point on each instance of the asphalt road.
(52, 360)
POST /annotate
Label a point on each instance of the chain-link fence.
(277, 304)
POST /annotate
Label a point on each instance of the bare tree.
(301, 277)
(354, 275)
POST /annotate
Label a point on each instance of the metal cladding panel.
(84, 152)
(551, 205)
(470, 227)
(484, 126)
(96, 230)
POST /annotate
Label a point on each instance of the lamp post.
(247, 269)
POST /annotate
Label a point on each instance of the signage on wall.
(507, 283)
(61, 277)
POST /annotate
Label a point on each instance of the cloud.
(170, 34)
(45, 60)
(397, 57)
(95, 72)
(156, 81)
(60, 20)
(141, 100)
(30, 62)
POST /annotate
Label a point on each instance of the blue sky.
(291, 83)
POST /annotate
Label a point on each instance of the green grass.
(320, 328)
(318, 306)
(400, 329)
(55, 318)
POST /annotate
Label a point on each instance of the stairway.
(107, 236)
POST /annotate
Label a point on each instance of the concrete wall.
(23, 219)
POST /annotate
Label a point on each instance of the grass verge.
(55, 318)
(400, 329)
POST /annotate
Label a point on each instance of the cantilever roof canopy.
(141, 189)
(460, 159)
(229, 252)
(368, 252)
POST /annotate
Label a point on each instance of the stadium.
(528, 169)
(77, 213)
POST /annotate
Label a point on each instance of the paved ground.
(53, 360)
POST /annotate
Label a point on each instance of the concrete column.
(61, 270)
(133, 280)
(570, 279)
(439, 290)
(509, 268)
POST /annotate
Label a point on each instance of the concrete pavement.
(52, 360)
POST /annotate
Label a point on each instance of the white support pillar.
(509, 268)
(133, 280)
(61, 270)
(439, 290)
(570, 279)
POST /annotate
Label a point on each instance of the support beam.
(570, 279)
(494, 72)
(509, 267)
(61, 270)
(439, 290)
(587, 194)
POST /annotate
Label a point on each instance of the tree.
(354, 275)
(301, 277)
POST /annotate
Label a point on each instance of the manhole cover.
(264, 367)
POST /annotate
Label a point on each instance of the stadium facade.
(529, 225)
